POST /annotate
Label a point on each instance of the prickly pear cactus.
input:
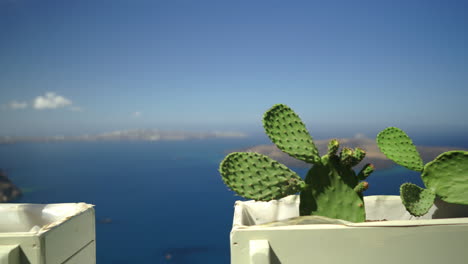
(417, 200)
(256, 176)
(445, 177)
(331, 187)
(397, 146)
(333, 191)
(286, 130)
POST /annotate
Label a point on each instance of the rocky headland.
(8, 191)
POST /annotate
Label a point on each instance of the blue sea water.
(165, 199)
(159, 202)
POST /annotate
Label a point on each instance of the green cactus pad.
(361, 187)
(365, 171)
(397, 146)
(417, 200)
(256, 176)
(447, 176)
(288, 132)
(359, 154)
(330, 192)
(333, 146)
(346, 156)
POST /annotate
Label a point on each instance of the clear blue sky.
(218, 65)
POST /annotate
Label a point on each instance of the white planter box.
(47, 233)
(437, 237)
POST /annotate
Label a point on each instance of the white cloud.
(51, 101)
(137, 114)
(15, 105)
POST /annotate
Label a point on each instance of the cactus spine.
(446, 176)
(331, 187)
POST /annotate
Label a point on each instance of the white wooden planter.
(47, 233)
(441, 236)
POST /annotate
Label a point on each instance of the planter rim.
(35, 219)
(253, 215)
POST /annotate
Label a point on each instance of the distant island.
(129, 135)
(373, 154)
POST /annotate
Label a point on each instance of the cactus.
(397, 146)
(331, 187)
(256, 176)
(445, 177)
(417, 200)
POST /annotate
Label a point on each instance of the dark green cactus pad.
(397, 146)
(256, 176)
(417, 200)
(288, 132)
(365, 171)
(447, 176)
(330, 192)
(346, 156)
(358, 155)
(361, 187)
(333, 146)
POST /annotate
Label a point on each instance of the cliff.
(8, 191)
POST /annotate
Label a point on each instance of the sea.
(155, 202)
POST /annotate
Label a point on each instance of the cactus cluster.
(446, 176)
(331, 187)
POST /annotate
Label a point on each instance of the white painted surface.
(9, 254)
(431, 239)
(50, 233)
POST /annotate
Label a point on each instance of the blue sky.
(88, 66)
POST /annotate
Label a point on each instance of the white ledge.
(36, 218)
(252, 214)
